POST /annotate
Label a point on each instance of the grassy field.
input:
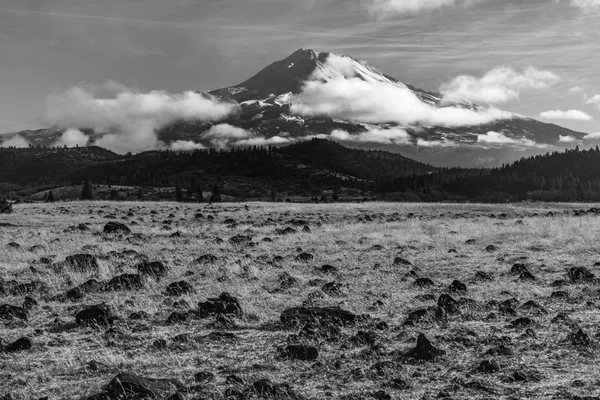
(543, 359)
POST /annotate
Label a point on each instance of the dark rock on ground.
(431, 314)
(423, 282)
(82, 263)
(99, 314)
(448, 303)
(580, 339)
(523, 322)
(329, 269)
(457, 287)
(78, 292)
(204, 377)
(301, 315)
(179, 288)
(305, 257)
(424, 350)
(224, 304)
(130, 386)
(581, 275)
(156, 269)
(177, 317)
(125, 282)
(491, 248)
(334, 289)
(21, 344)
(402, 261)
(207, 259)
(240, 240)
(301, 352)
(116, 227)
(10, 312)
(483, 276)
(488, 367)
(287, 281)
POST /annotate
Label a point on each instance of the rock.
(204, 377)
(116, 227)
(334, 289)
(29, 303)
(79, 292)
(292, 317)
(431, 314)
(159, 344)
(488, 367)
(580, 339)
(9, 312)
(82, 263)
(534, 306)
(156, 269)
(177, 396)
(225, 304)
(448, 303)
(179, 288)
(305, 257)
(287, 231)
(518, 269)
(423, 282)
(130, 386)
(207, 259)
(265, 387)
(402, 261)
(500, 350)
(365, 338)
(470, 241)
(559, 294)
(21, 344)
(287, 281)
(96, 315)
(177, 317)
(329, 269)
(491, 248)
(320, 331)
(522, 322)
(301, 352)
(424, 350)
(125, 282)
(457, 287)
(240, 240)
(581, 275)
(483, 276)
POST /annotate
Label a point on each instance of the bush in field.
(5, 206)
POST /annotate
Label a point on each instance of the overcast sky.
(48, 46)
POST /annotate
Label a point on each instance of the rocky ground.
(106, 300)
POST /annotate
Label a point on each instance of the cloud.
(72, 137)
(500, 139)
(576, 89)
(186, 145)
(566, 139)
(223, 134)
(382, 136)
(595, 100)
(435, 143)
(373, 101)
(575, 115)
(399, 7)
(128, 119)
(586, 4)
(592, 136)
(497, 86)
(16, 141)
(262, 141)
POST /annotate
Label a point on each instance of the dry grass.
(341, 235)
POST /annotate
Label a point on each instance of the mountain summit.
(314, 94)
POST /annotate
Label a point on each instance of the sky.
(543, 55)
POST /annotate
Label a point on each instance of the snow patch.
(291, 65)
(235, 90)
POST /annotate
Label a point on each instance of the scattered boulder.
(449, 304)
(240, 240)
(204, 377)
(207, 259)
(82, 263)
(488, 367)
(581, 275)
(523, 322)
(329, 269)
(301, 315)
(179, 288)
(580, 339)
(114, 227)
(402, 261)
(457, 287)
(305, 257)
(177, 317)
(431, 314)
(424, 350)
(156, 269)
(125, 282)
(287, 281)
(301, 352)
(78, 292)
(225, 304)
(9, 312)
(131, 386)
(21, 344)
(423, 282)
(492, 248)
(95, 315)
(334, 289)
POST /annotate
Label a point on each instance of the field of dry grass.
(523, 328)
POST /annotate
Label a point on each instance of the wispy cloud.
(498, 138)
(391, 7)
(586, 4)
(15, 141)
(381, 136)
(595, 100)
(497, 86)
(574, 115)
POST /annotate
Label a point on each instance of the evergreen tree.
(140, 193)
(216, 195)
(87, 191)
(50, 198)
(114, 195)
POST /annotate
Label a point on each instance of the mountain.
(268, 109)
